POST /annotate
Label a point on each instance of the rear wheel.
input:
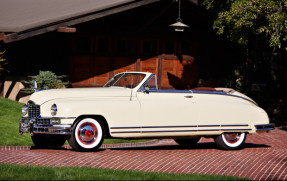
(187, 142)
(48, 141)
(87, 135)
(230, 141)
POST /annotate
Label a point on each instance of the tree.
(242, 20)
(2, 62)
(260, 26)
(3, 70)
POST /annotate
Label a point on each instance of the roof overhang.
(60, 21)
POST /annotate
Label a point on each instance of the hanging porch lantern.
(178, 25)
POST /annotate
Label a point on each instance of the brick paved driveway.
(264, 157)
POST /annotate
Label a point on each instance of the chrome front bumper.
(264, 127)
(43, 126)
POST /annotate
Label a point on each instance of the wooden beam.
(10, 37)
(76, 20)
(104, 13)
(66, 29)
(2, 36)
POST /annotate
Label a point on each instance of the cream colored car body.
(137, 112)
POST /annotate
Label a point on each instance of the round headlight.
(24, 109)
(54, 109)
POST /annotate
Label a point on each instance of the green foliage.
(16, 172)
(261, 27)
(3, 62)
(241, 20)
(45, 80)
(239, 80)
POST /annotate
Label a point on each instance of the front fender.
(118, 111)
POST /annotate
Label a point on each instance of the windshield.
(128, 80)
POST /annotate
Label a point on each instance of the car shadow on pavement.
(198, 146)
(60, 149)
(252, 145)
(46, 148)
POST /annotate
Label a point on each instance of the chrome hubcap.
(232, 137)
(87, 133)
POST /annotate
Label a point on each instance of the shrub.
(45, 80)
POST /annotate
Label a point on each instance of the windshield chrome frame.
(123, 74)
(142, 88)
(112, 80)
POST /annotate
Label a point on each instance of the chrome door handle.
(188, 96)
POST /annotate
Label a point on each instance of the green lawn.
(13, 172)
(10, 113)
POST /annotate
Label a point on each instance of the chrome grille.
(42, 121)
(33, 110)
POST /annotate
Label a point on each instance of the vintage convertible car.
(131, 106)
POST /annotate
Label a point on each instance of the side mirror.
(146, 89)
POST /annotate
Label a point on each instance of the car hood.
(43, 96)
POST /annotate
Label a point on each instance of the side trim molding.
(224, 128)
(180, 126)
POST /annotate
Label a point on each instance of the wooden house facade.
(136, 39)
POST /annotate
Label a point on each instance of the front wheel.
(87, 135)
(230, 141)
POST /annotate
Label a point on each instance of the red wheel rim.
(88, 133)
(232, 138)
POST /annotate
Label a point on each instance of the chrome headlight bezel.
(54, 109)
(24, 109)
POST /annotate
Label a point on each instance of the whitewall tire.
(87, 135)
(230, 141)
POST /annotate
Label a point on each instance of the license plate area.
(24, 127)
